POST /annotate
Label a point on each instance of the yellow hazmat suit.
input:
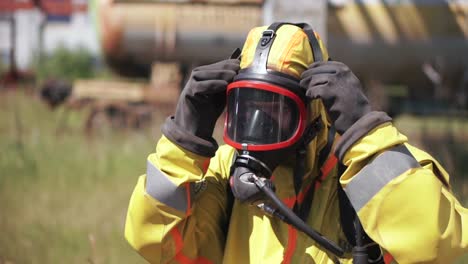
(181, 212)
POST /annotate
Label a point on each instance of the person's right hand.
(201, 103)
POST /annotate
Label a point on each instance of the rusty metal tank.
(416, 43)
(135, 34)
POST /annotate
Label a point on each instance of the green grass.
(64, 195)
(60, 190)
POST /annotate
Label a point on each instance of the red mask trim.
(276, 89)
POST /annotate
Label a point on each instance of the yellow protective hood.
(290, 53)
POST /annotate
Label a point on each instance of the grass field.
(64, 195)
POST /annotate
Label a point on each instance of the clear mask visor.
(260, 117)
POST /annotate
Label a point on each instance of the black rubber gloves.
(340, 91)
(342, 95)
(201, 103)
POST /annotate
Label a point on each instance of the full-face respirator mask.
(266, 111)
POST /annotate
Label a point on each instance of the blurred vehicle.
(399, 49)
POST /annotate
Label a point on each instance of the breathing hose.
(291, 218)
(359, 251)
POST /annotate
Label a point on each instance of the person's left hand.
(340, 91)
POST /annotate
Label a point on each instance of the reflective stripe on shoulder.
(380, 171)
(165, 191)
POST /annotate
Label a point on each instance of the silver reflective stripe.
(380, 171)
(163, 190)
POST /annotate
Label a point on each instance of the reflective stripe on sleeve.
(375, 175)
(165, 191)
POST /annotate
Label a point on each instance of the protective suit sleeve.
(402, 197)
(177, 211)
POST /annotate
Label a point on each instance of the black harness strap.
(262, 51)
(317, 52)
(304, 210)
(299, 170)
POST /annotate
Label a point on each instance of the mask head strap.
(266, 41)
(313, 41)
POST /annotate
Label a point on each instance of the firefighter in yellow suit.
(180, 210)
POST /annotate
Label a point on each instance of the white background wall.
(79, 32)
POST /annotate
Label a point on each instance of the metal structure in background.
(312, 12)
(385, 42)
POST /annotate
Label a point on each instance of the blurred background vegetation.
(64, 193)
(69, 65)
(66, 64)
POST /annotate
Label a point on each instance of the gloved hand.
(201, 103)
(340, 91)
(342, 95)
